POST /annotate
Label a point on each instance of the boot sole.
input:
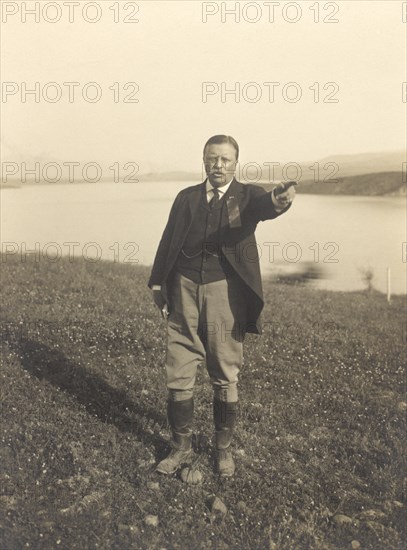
(166, 472)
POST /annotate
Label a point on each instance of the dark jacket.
(246, 205)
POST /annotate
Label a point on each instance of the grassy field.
(319, 447)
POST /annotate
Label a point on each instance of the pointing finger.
(288, 184)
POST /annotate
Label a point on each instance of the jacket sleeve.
(162, 251)
(262, 205)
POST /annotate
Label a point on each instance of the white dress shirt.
(222, 190)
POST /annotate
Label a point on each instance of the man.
(206, 281)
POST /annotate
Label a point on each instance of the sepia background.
(150, 91)
(105, 109)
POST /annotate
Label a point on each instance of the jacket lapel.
(193, 202)
(182, 223)
(231, 210)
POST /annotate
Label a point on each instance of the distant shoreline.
(380, 184)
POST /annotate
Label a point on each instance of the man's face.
(220, 163)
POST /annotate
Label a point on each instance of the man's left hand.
(284, 193)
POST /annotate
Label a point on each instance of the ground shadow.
(109, 404)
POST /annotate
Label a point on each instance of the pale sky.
(170, 52)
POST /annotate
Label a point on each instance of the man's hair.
(222, 139)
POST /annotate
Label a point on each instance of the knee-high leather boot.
(224, 415)
(180, 415)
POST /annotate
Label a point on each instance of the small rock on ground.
(150, 520)
(191, 476)
(341, 519)
(218, 507)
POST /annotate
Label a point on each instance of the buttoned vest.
(201, 258)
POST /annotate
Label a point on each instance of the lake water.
(340, 234)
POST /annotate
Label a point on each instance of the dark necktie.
(215, 199)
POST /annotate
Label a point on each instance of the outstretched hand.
(284, 193)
